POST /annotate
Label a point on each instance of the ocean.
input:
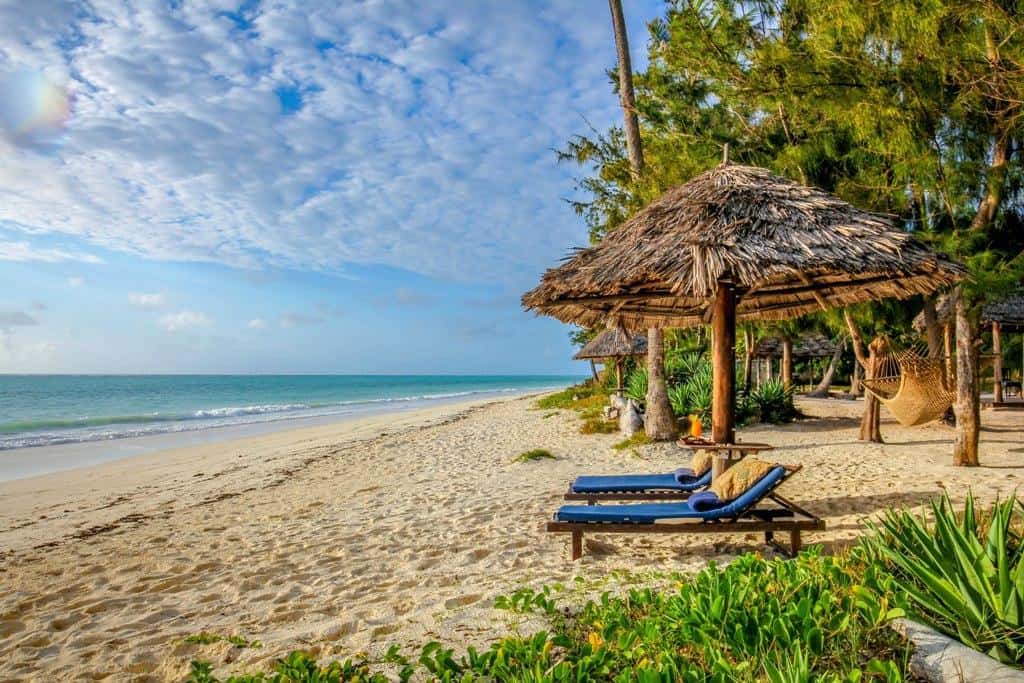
(47, 410)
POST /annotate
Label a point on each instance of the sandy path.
(338, 539)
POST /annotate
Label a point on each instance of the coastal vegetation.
(817, 617)
(534, 454)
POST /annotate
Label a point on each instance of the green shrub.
(535, 454)
(638, 439)
(693, 396)
(570, 397)
(636, 385)
(963, 574)
(598, 425)
(754, 620)
(771, 402)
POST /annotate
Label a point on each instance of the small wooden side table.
(726, 454)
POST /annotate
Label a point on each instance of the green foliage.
(598, 425)
(777, 620)
(963, 574)
(535, 454)
(638, 439)
(299, 667)
(692, 395)
(636, 385)
(570, 397)
(771, 402)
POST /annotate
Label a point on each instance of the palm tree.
(659, 422)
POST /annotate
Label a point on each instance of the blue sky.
(292, 186)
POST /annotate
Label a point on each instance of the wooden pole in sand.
(723, 363)
(997, 363)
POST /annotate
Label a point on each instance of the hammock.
(912, 386)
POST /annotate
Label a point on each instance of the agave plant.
(636, 385)
(963, 574)
(773, 402)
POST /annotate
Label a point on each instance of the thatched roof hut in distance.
(1008, 312)
(786, 249)
(811, 346)
(613, 344)
(737, 242)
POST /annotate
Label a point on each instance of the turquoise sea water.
(41, 410)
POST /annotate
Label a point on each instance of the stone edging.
(941, 659)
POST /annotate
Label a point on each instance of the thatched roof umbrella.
(737, 243)
(614, 345)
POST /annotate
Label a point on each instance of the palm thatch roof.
(788, 250)
(1008, 312)
(613, 344)
(811, 346)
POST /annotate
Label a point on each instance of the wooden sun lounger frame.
(787, 518)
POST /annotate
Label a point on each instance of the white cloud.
(174, 322)
(422, 137)
(76, 281)
(25, 252)
(257, 324)
(147, 301)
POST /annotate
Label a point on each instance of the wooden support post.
(997, 364)
(947, 344)
(723, 363)
(577, 545)
(618, 377)
(768, 368)
(794, 541)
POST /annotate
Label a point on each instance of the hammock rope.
(912, 386)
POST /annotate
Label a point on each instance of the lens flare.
(33, 110)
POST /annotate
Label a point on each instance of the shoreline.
(33, 461)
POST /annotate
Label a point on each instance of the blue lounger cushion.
(616, 483)
(648, 513)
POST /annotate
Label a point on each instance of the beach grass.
(533, 455)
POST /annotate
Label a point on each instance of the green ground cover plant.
(757, 619)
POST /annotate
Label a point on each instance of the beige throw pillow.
(734, 481)
(701, 462)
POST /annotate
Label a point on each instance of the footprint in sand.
(462, 601)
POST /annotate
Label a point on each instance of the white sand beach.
(392, 529)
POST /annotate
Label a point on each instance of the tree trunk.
(593, 372)
(659, 422)
(933, 331)
(626, 97)
(997, 364)
(748, 357)
(856, 388)
(787, 363)
(821, 391)
(966, 408)
(870, 423)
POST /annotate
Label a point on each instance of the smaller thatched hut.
(614, 346)
(811, 346)
(1005, 315)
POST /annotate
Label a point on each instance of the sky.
(284, 186)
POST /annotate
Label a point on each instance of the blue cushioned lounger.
(741, 515)
(638, 482)
(652, 512)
